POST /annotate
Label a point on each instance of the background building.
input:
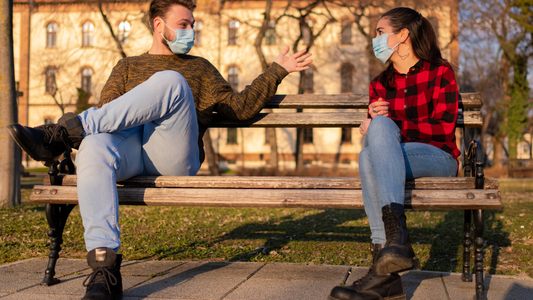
(65, 50)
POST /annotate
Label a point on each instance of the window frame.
(51, 34)
(86, 80)
(233, 31)
(87, 34)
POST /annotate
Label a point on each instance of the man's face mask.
(183, 41)
(382, 51)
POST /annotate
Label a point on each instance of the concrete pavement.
(240, 280)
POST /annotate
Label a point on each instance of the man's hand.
(364, 127)
(295, 62)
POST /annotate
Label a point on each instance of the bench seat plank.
(316, 120)
(288, 198)
(285, 182)
(343, 101)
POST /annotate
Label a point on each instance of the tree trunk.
(9, 152)
(497, 146)
(210, 154)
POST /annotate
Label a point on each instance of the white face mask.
(183, 41)
(382, 51)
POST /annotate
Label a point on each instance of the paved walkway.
(240, 280)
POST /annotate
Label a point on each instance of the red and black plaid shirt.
(424, 104)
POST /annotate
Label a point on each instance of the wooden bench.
(520, 168)
(472, 193)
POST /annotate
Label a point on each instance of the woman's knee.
(382, 129)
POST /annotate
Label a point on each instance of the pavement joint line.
(445, 288)
(17, 262)
(242, 282)
(348, 273)
(182, 263)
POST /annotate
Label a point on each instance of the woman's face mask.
(382, 51)
(183, 41)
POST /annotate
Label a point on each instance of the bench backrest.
(343, 110)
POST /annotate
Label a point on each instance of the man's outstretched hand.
(295, 62)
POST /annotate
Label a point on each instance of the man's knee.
(169, 78)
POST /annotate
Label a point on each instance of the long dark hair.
(423, 39)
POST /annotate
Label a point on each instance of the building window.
(306, 31)
(86, 75)
(233, 78)
(231, 139)
(87, 34)
(346, 135)
(50, 85)
(270, 33)
(198, 26)
(308, 135)
(347, 78)
(51, 35)
(233, 27)
(435, 24)
(308, 84)
(123, 36)
(346, 32)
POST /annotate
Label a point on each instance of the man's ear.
(158, 25)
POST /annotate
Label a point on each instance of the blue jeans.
(385, 164)
(150, 130)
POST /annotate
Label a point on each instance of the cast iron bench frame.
(472, 193)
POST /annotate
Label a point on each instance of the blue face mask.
(183, 41)
(382, 51)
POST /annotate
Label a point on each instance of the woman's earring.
(403, 57)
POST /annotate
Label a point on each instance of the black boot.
(47, 142)
(398, 254)
(105, 282)
(372, 286)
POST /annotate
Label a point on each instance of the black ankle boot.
(47, 142)
(105, 282)
(372, 286)
(398, 254)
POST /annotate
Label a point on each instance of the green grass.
(283, 235)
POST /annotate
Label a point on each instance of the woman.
(410, 133)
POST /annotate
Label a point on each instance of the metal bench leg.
(56, 215)
(479, 224)
(466, 247)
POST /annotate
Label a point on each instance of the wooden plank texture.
(285, 182)
(343, 101)
(289, 198)
(316, 120)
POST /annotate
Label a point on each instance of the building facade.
(64, 52)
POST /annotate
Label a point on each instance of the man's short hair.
(159, 8)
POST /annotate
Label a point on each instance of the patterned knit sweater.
(210, 90)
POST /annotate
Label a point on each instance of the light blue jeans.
(385, 164)
(150, 130)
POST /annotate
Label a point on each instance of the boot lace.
(100, 276)
(55, 133)
(362, 281)
(391, 222)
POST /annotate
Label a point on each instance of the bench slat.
(285, 182)
(343, 101)
(316, 120)
(287, 198)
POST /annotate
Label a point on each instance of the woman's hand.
(295, 62)
(364, 127)
(379, 108)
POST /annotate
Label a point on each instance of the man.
(154, 110)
